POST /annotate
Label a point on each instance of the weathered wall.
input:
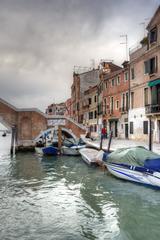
(8, 114)
(30, 124)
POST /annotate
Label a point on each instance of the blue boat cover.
(153, 164)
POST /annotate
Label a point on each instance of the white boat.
(135, 164)
(92, 156)
(135, 174)
(71, 151)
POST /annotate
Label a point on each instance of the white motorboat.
(135, 174)
(92, 156)
(136, 165)
(72, 150)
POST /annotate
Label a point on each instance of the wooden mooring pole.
(59, 138)
(109, 140)
(13, 140)
(150, 133)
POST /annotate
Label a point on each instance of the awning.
(154, 83)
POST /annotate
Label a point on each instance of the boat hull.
(145, 178)
(90, 156)
(50, 151)
(71, 151)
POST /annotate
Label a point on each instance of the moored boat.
(92, 156)
(136, 165)
(50, 150)
(72, 150)
(4, 134)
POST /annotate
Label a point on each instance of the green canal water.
(62, 198)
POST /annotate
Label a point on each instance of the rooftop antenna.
(126, 43)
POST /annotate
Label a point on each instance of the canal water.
(62, 198)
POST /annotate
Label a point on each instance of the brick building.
(145, 84)
(90, 108)
(56, 109)
(81, 82)
(108, 68)
(116, 101)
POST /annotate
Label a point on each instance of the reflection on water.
(63, 198)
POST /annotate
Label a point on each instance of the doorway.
(126, 130)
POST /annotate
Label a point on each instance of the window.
(153, 35)
(146, 67)
(132, 73)
(118, 80)
(126, 76)
(132, 100)
(95, 98)
(117, 104)
(145, 127)
(112, 82)
(145, 96)
(112, 104)
(123, 102)
(90, 101)
(50, 110)
(106, 85)
(150, 66)
(95, 114)
(131, 127)
(90, 115)
(127, 101)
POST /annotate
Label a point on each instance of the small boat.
(4, 134)
(136, 164)
(72, 150)
(50, 151)
(92, 156)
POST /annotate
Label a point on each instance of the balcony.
(123, 109)
(152, 108)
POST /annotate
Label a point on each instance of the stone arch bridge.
(28, 123)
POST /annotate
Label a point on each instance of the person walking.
(103, 133)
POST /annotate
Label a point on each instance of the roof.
(157, 12)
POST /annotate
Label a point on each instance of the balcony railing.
(152, 108)
(123, 109)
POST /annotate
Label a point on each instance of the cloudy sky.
(42, 40)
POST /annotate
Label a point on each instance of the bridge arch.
(28, 123)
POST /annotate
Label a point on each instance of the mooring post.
(150, 133)
(59, 138)
(109, 141)
(101, 142)
(13, 139)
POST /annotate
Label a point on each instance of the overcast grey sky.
(42, 40)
